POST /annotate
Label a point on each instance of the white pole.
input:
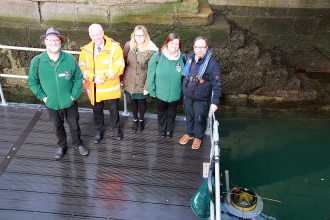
(3, 101)
(13, 76)
(33, 49)
(125, 112)
(217, 168)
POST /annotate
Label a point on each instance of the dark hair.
(201, 38)
(171, 37)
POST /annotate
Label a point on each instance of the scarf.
(202, 68)
(170, 56)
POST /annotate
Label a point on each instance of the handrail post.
(125, 112)
(3, 100)
(212, 128)
(216, 168)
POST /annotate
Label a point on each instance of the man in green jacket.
(56, 79)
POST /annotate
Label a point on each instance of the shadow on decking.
(141, 177)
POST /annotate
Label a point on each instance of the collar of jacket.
(44, 56)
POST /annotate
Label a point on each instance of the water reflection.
(285, 160)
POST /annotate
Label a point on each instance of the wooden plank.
(141, 177)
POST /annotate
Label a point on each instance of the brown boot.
(196, 144)
(185, 139)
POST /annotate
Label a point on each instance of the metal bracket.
(206, 168)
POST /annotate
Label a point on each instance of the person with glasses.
(56, 79)
(202, 88)
(102, 63)
(137, 53)
(164, 82)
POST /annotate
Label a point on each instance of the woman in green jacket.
(164, 82)
(137, 53)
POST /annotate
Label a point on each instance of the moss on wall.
(144, 14)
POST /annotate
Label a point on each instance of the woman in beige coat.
(137, 53)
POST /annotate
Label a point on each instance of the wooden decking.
(142, 176)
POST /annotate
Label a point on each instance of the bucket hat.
(53, 31)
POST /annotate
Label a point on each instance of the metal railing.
(3, 100)
(213, 132)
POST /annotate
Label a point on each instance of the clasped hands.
(101, 79)
(98, 80)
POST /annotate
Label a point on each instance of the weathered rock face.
(247, 69)
(251, 65)
(296, 31)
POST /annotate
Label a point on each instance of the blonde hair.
(133, 44)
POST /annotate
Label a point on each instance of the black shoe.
(60, 152)
(141, 126)
(135, 125)
(169, 134)
(98, 137)
(82, 150)
(163, 135)
(118, 135)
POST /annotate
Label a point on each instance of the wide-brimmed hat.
(53, 31)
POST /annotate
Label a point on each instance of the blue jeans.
(71, 116)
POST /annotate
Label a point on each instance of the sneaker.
(185, 139)
(60, 152)
(82, 150)
(196, 144)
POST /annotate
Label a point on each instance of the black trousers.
(196, 114)
(71, 116)
(138, 106)
(113, 106)
(166, 115)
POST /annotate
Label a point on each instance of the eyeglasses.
(55, 41)
(200, 48)
(139, 36)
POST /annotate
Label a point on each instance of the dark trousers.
(166, 115)
(71, 116)
(196, 114)
(139, 106)
(113, 106)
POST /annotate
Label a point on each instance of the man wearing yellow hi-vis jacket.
(101, 62)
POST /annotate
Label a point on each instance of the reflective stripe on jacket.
(108, 64)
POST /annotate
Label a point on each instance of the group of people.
(141, 68)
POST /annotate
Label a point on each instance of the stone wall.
(298, 31)
(80, 13)
(251, 39)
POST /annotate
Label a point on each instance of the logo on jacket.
(178, 67)
(67, 75)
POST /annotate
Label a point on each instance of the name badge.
(66, 74)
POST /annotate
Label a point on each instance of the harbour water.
(285, 161)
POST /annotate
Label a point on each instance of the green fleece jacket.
(164, 78)
(58, 81)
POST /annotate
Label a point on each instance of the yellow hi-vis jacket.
(109, 64)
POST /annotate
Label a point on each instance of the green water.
(281, 159)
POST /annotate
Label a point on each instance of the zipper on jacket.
(56, 77)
